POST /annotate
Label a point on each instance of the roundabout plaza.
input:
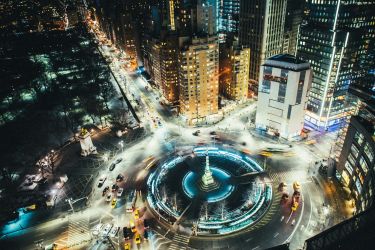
(209, 191)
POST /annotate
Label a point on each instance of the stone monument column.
(87, 147)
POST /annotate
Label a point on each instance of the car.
(296, 186)
(127, 246)
(114, 231)
(136, 214)
(52, 246)
(137, 239)
(114, 187)
(213, 133)
(108, 197)
(105, 190)
(118, 160)
(296, 196)
(119, 177)
(282, 185)
(106, 229)
(119, 192)
(96, 230)
(132, 227)
(127, 233)
(284, 197)
(145, 235)
(112, 166)
(294, 206)
(114, 203)
(101, 181)
(195, 133)
(146, 223)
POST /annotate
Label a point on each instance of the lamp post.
(122, 146)
(71, 201)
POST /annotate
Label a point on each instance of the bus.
(130, 201)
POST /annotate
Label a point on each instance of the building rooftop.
(286, 61)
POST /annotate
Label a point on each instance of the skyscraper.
(228, 19)
(293, 19)
(165, 68)
(282, 95)
(261, 29)
(234, 71)
(206, 17)
(199, 68)
(335, 37)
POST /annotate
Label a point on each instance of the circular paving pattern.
(213, 190)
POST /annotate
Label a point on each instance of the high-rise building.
(228, 19)
(165, 68)
(355, 166)
(199, 68)
(234, 72)
(261, 29)
(335, 37)
(282, 95)
(206, 17)
(293, 19)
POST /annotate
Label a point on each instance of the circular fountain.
(213, 190)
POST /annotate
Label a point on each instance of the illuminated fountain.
(211, 178)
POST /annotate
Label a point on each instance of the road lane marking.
(255, 248)
(311, 209)
(249, 239)
(166, 232)
(157, 246)
(276, 234)
(299, 221)
(289, 217)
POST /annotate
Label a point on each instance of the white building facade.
(284, 83)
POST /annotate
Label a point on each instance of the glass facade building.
(356, 164)
(334, 37)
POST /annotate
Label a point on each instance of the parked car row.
(105, 230)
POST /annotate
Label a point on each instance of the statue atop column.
(207, 182)
(87, 147)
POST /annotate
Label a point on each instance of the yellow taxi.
(132, 227)
(294, 206)
(114, 202)
(265, 153)
(136, 214)
(127, 246)
(137, 239)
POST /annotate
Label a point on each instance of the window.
(368, 152)
(266, 85)
(300, 87)
(358, 137)
(349, 167)
(354, 150)
(363, 164)
(282, 91)
(289, 111)
(351, 159)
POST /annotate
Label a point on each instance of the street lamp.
(121, 145)
(105, 157)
